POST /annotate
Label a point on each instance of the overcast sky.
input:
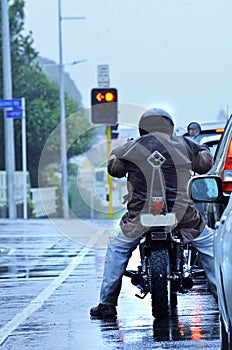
(174, 54)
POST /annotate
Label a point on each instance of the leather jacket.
(182, 156)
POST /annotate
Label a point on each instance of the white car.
(212, 192)
(223, 266)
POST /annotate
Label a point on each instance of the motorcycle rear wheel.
(160, 287)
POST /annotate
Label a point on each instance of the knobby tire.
(159, 266)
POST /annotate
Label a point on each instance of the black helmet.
(156, 119)
(194, 125)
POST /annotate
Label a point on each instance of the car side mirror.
(205, 188)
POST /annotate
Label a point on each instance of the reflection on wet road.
(195, 323)
(49, 283)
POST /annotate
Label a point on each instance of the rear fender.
(165, 221)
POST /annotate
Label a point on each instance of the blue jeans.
(120, 250)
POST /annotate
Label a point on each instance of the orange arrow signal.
(100, 97)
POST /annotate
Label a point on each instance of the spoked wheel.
(160, 286)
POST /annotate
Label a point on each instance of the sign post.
(24, 160)
(19, 112)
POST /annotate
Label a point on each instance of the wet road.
(50, 276)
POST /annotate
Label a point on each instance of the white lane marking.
(36, 303)
(11, 251)
(42, 235)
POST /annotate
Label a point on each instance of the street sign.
(14, 113)
(13, 103)
(103, 75)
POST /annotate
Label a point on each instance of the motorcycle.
(166, 263)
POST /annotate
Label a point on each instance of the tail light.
(227, 171)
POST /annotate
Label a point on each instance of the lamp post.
(9, 123)
(63, 142)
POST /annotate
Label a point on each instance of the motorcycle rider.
(194, 129)
(182, 155)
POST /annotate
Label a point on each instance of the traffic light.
(104, 107)
(114, 131)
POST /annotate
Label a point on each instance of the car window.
(211, 140)
(223, 141)
(203, 138)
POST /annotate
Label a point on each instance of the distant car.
(210, 135)
(213, 192)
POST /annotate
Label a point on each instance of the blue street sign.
(15, 103)
(14, 113)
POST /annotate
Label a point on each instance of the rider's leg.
(119, 251)
(204, 244)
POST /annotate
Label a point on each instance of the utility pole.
(63, 141)
(8, 122)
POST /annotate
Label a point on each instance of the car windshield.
(211, 140)
(203, 138)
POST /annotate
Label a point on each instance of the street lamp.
(53, 64)
(63, 142)
(75, 62)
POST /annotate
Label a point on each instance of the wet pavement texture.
(50, 280)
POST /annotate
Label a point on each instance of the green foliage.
(42, 100)
(81, 202)
(80, 131)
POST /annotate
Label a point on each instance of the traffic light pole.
(110, 180)
(104, 111)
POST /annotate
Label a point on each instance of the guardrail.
(18, 187)
(43, 200)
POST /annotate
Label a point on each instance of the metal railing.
(43, 200)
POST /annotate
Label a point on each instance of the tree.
(41, 95)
